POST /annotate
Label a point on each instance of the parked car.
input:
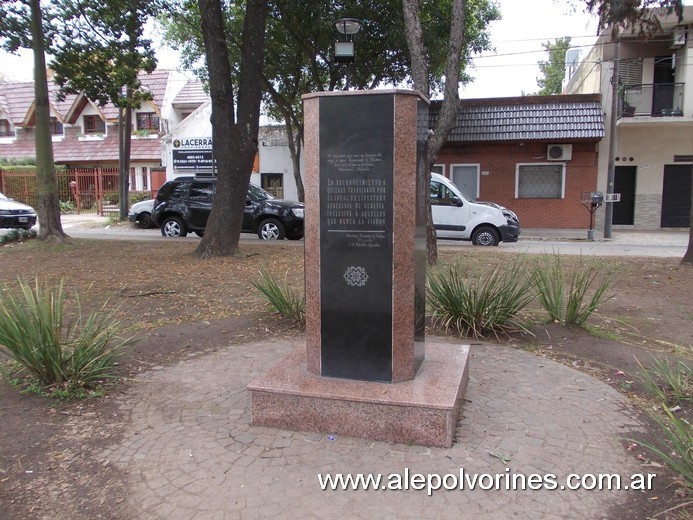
(141, 213)
(183, 205)
(14, 214)
(456, 216)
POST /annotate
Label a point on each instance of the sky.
(512, 68)
(509, 71)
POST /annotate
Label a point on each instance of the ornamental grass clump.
(568, 307)
(61, 356)
(670, 382)
(282, 298)
(477, 307)
(675, 447)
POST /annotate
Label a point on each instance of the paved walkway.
(189, 452)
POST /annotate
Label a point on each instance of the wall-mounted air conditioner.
(678, 37)
(559, 152)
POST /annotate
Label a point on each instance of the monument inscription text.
(356, 186)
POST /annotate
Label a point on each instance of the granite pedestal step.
(422, 411)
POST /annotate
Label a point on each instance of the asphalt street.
(624, 242)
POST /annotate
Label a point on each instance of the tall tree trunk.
(124, 145)
(415, 42)
(46, 183)
(451, 102)
(419, 70)
(235, 142)
(294, 140)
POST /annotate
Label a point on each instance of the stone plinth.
(420, 411)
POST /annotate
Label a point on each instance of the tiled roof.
(527, 118)
(19, 97)
(61, 107)
(18, 149)
(69, 150)
(4, 107)
(155, 82)
(16, 98)
(72, 150)
(191, 95)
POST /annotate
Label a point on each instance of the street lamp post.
(611, 172)
(344, 47)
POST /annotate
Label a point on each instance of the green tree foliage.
(553, 70)
(466, 33)
(641, 16)
(299, 42)
(101, 50)
(300, 37)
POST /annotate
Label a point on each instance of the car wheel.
(485, 236)
(145, 220)
(173, 227)
(200, 233)
(271, 229)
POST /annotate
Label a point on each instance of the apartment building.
(653, 115)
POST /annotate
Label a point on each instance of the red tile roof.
(69, 150)
(17, 98)
(73, 150)
(19, 149)
(4, 107)
(192, 95)
(154, 82)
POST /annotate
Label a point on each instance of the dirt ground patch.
(178, 306)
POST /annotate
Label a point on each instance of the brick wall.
(500, 161)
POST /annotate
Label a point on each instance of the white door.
(466, 178)
(449, 212)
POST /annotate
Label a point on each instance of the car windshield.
(257, 194)
(467, 197)
(2, 197)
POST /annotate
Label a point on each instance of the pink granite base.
(421, 411)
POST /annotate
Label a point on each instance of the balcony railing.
(654, 100)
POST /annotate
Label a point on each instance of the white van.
(457, 217)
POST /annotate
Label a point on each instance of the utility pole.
(615, 82)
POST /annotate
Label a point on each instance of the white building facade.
(187, 150)
(653, 157)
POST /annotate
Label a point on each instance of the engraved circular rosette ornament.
(356, 276)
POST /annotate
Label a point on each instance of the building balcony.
(651, 100)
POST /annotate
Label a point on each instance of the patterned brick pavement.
(190, 453)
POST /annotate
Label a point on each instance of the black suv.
(183, 205)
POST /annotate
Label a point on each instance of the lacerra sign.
(193, 143)
(192, 153)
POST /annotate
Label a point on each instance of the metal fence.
(80, 190)
(654, 99)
